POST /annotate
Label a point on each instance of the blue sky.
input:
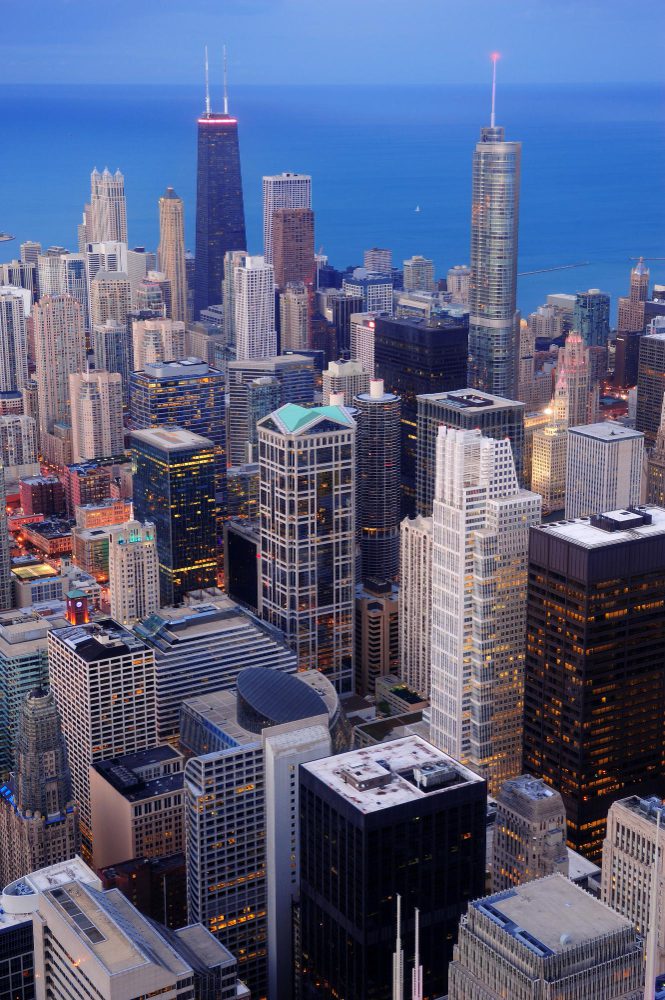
(333, 41)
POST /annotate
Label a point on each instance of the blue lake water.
(593, 181)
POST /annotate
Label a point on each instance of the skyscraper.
(493, 323)
(529, 833)
(375, 290)
(631, 316)
(378, 481)
(103, 679)
(615, 453)
(285, 190)
(307, 464)
(174, 488)
(418, 274)
(133, 572)
(398, 817)
(591, 317)
(38, 817)
(110, 297)
(480, 533)
(156, 340)
(594, 687)
(108, 206)
(293, 246)
(13, 344)
(347, 377)
(651, 382)
(59, 352)
(656, 466)
(254, 305)
(171, 251)
(378, 260)
(415, 604)
(220, 212)
(294, 317)
(96, 408)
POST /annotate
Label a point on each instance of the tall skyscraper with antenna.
(220, 213)
(493, 321)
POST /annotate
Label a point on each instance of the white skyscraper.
(18, 440)
(13, 349)
(96, 407)
(157, 340)
(110, 297)
(282, 191)
(481, 523)
(415, 603)
(418, 274)
(133, 572)
(254, 304)
(59, 352)
(108, 206)
(603, 468)
(347, 377)
(362, 326)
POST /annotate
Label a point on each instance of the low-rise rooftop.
(100, 640)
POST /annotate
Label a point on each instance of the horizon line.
(372, 84)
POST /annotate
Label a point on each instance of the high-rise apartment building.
(458, 281)
(481, 523)
(346, 377)
(378, 819)
(254, 303)
(13, 340)
(378, 481)
(174, 488)
(493, 323)
(656, 466)
(283, 191)
(213, 631)
(615, 453)
(631, 318)
(38, 817)
(375, 289)
(96, 409)
(650, 383)
(529, 839)
(171, 253)
(225, 790)
(545, 938)
(65, 274)
(18, 443)
(295, 374)
(103, 679)
(111, 344)
(307, 465)
(188, 394)
(110, 297)
(293, 246)
(157, 339)
(415, 357)
(632, 871)
(361, 346)
(379, 260)
(133, 572)
(595, 627)
(220, 212)
(465, 409)
(294, 317)
(108, 207)
(415, 603)
(59, 352)
(418, 274)
(591, 317)
(376, 633)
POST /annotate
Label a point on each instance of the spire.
(495, 59)
(398, 957)
(226, 88)
(207, 82)
(417, 971)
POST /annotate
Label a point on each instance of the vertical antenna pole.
(226, 87)
(495, 59)
(417, 971)
(207, 82)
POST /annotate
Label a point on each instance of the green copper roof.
(296, 418)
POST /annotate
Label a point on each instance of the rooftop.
(185, 368)
(606, 430)
(100, 640)
(19, 898)
(37, 571)
(172, 627)
(391, 774)
(173, 439)
(471, 400)
(549, 915)
(294, 419)
(584, 532)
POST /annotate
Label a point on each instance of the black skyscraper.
(220, 213)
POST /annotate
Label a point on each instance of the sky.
(332, 41)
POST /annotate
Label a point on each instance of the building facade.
(96, 410)
(529, 833)
(171, 253)
(282, 191)
(415, 604)
(616, 455)
(650, 383)
(133, 572)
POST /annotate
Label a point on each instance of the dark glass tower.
(220, 212)
(174, 487)
(594, 696)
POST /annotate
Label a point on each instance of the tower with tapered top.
(493, 320)
(220, 213)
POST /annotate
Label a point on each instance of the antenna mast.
(207, 82)
(495, 59)
(398, 957)
(226, 88)
(417, 971)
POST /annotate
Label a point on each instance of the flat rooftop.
(49, 878)
(532, 788)
(391, 774)
(173, 439)
(471, 400)
(550, 915)
(36, 571)
(583, 533)
(100, 640)
(185, 368)
(606, 430)
(172, 627)
(127, 775)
